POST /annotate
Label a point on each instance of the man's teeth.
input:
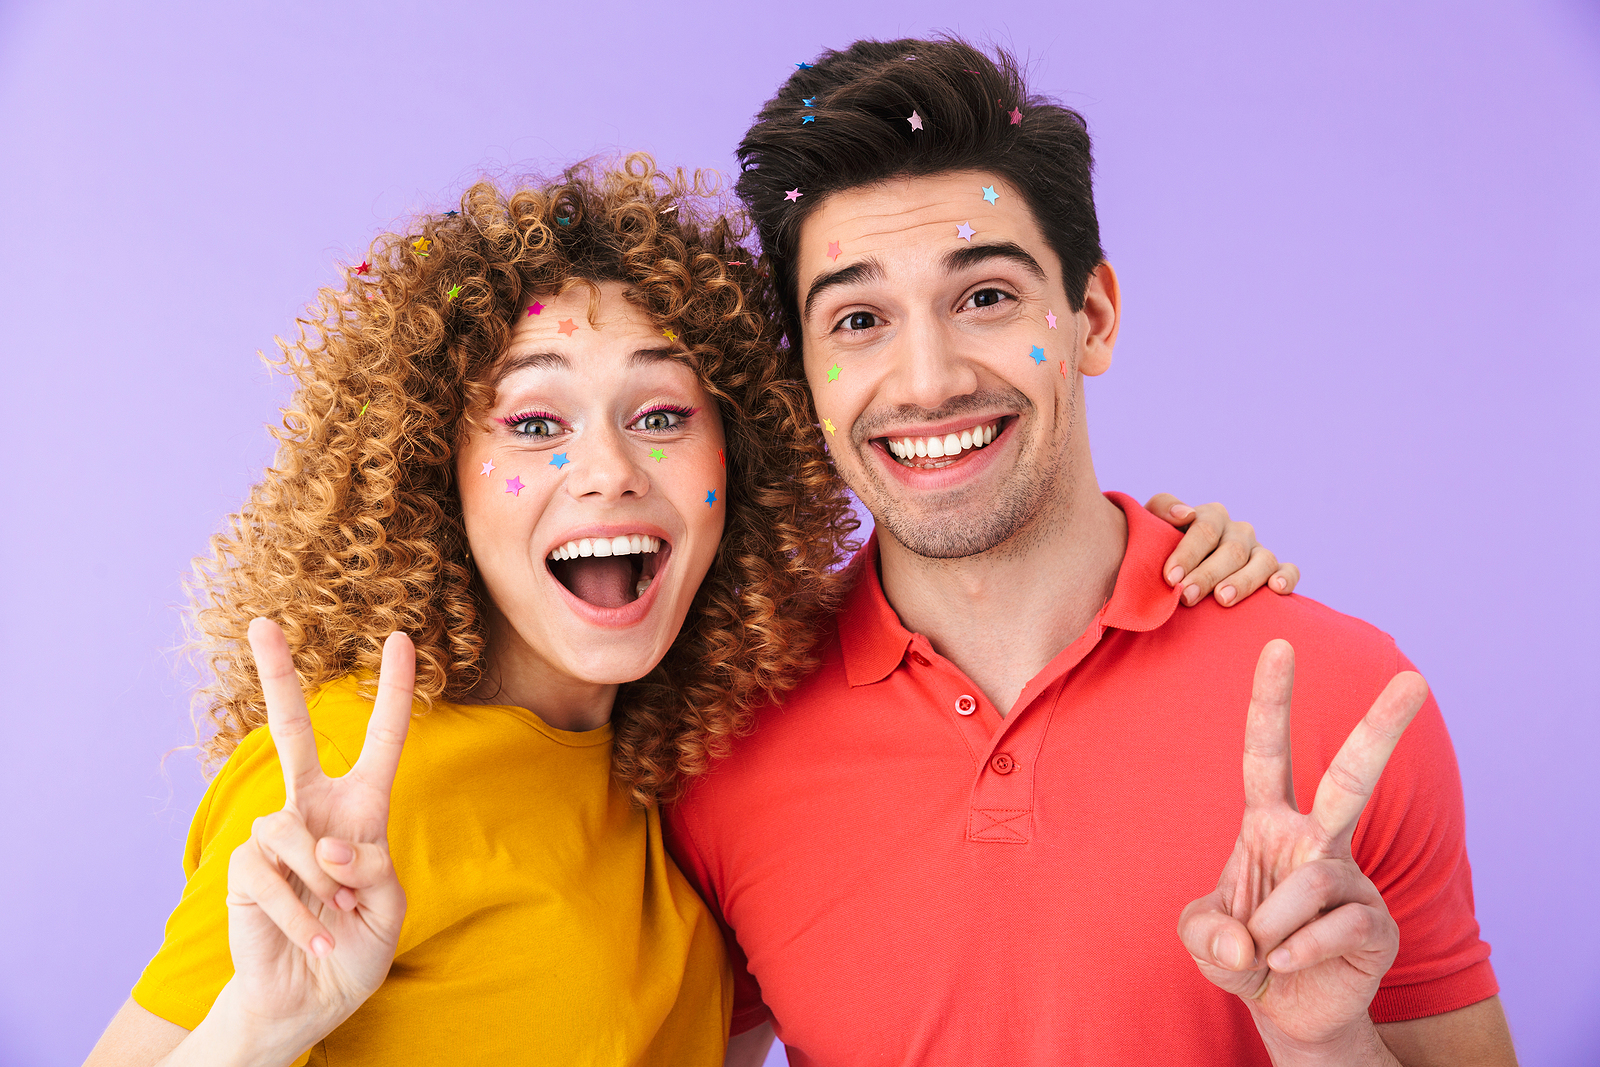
(607, 546)
(908, 449)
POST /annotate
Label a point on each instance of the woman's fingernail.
(336, 851)
(1279, 959)
(1174, 576)
(1226, 594)
(1280, 583)
(345, 898)
(320, 946)
(1191, 594)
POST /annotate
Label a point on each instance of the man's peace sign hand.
(314, 907)
(1294, 927)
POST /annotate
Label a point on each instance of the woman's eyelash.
(513, 421)
(676, 409)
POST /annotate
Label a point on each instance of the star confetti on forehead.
(834, 251)
(488, 468)
(567, 328)
(793, 195)
(1037, 355)
(657, 455)
(809, 101)
(559, 460)
(827, 424)
(514, 485)
(669, 335)
(915, 120)
(535, 307)
(1050, 317)
(965, 232)
(833, 373)
(453, 292)
(1016, 117)
(989, 194)
(711, 497)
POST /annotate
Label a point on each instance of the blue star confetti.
(808, 118)
(1037, 355)
(809, 101)
(989, 194)
(711, 497)
(560, 460)
(803, 66)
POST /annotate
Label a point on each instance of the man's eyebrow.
(867, 270)
(971, 255)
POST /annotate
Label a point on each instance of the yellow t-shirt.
(545, 923)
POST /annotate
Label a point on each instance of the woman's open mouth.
(608, 572)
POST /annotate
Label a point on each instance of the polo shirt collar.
(873, 641)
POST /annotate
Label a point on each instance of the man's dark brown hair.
(975, 114)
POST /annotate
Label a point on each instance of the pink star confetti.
(567, 328)
(793, 195)
(1050, 317)
(535, 307)
(915, 120)
(965, 232)
(834, 252)
(488, 467)
(1016, 117)
(514, 485)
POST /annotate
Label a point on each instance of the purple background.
(1359, 252)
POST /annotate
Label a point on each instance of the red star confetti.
(915, 120)
(793, 195)
(721, 459)
(514, 485)
(535, 307)
(834, 252)
(567, 328)
(365, 266)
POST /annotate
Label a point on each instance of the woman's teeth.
(607, 546)
(950, 447)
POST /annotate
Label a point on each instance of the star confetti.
(488, 468)
(453, 292)
(421, 245)
(563, 220)
(535, 307)
(721, 458)
(808, 118)
(793, 195)
(669, 335)
(989, 194)
(737, 263)
(965, 232)
(915, 120)
(833, 251)
(514, 485)
(809, 101)
(1050, 317)
(1063, 368)
(365, 266)
(567, 328)
(657, 455)
(1016, 117)
(803, 66)
(827, 425)
(451, 214)
(711, 497)
(833, 373)
(1037, 355)
(363, 410)
(559, 460)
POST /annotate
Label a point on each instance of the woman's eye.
(986, 298)
(858, 320)
(536, 427)
(656, 421)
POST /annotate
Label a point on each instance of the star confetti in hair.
(657, 455)
(827, 424)
(915, 120)
(1016, 117)
(559, 460)
(567, 328)
(793, 195)
(965, 232)
(711, 497)
(737, 263)
(669, 335)
(1037, 355)
(808, 118)
(834, 252)
(803, 66)
(363, 410)
(451, 214)
(1050, 317)
(421, 245)
(488, 468)
(453, 292)
(989, 194)
(808, 101)
(833, 373)
(563, 220)
(514, 485)
(365, 266)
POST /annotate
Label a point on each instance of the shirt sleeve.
(193, 964)
(749, 1011)
(1411, 842)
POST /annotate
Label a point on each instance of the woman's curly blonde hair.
(356, 530)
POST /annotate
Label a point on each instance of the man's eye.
(986, 298)
(858, 320)
(536, 427)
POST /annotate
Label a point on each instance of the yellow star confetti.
(421, 245)
(827, 425)
(669, 335)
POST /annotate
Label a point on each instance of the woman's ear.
(1102, 308)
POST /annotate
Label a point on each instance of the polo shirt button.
(965, 705)
(1003, 764)
(919, 659)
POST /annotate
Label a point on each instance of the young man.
(968, 838)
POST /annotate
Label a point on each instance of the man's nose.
(930, 363)
(606, 465)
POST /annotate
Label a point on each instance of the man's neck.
(1004, 615)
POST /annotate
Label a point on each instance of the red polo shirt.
(907, 877)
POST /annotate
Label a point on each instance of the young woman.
(546, 437)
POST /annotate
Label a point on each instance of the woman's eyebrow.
(531, 360)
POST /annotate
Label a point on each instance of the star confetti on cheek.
(833, 251)
(915, 120)
(1050, 317)
(514, 485)
(488, 468)
(559, 460)
(965, 232)
(827, 425)
(669, 335)
(1016, 117)
(453, 292)
(567, 328)
(833, 373)
(793, 195)
(989, 194)
(721, 458)
(1037, 355)
(1063, 368)
(535, 308)
(711, 497)
(657, 455)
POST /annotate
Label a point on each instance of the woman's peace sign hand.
(1294, 926)
(314, 907)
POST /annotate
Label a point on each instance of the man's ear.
(1102, 308)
